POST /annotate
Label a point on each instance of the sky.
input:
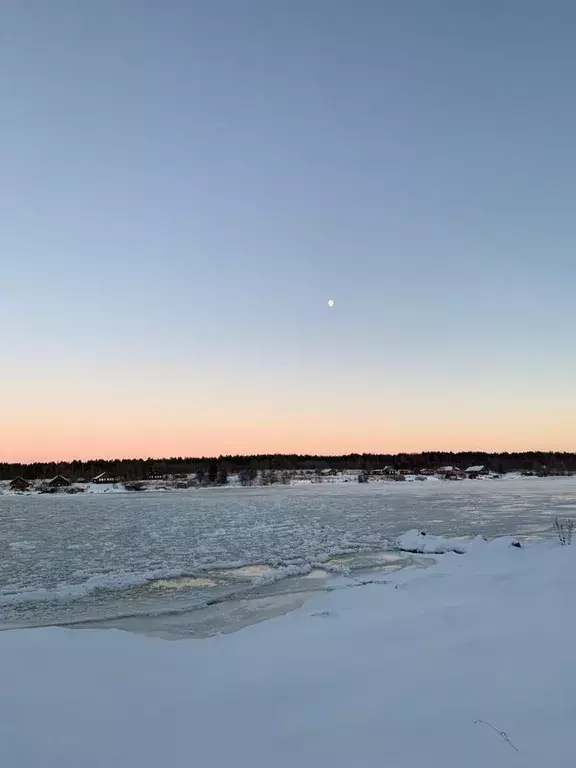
(185, 185)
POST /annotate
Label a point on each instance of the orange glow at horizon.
(98, 413)
(65, 439)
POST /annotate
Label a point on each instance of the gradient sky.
(184, 185)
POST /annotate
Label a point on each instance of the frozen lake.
(197, 562)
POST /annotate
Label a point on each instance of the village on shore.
(157, 481)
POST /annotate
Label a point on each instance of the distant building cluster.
(21, 484)
(218, 474)
(390, 473)
(446, 473)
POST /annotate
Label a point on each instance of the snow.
(426, 669)
(422, 543)
(104, 488)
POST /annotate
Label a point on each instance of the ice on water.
(69, 558)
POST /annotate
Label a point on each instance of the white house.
(479, 469)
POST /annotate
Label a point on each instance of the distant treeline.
(140, 469)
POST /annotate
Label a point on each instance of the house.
(105, 478)
(59, 482)
(329, 472)
(450, 473)
(19, 484)
(154, 474)
(473, 472)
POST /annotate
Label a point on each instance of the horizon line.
(220, 457)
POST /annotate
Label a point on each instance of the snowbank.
(424, 544)
(401, 674)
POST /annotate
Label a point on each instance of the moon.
(330, 303)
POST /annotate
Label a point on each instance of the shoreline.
(181, 612)
(87, 489)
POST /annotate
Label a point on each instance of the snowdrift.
(420, 542)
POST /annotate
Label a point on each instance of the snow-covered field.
(467, 663)
(131, 559)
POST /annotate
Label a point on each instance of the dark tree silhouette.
(533, 462)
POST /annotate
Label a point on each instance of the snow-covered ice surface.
(424, 670)
(142, 559)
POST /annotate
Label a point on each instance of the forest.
(538, 462)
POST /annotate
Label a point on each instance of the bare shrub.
(564, 530)
(503, 734)
(247, 476)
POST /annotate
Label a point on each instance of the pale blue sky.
(184, 185)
